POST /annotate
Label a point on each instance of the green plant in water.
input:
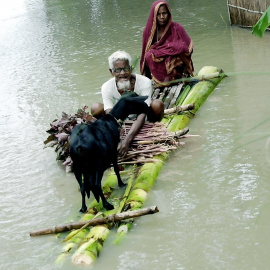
(135, 62)
(260, 27)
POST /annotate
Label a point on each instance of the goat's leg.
(116, 170)
(78, 176)
(99, 191)
(105, 203)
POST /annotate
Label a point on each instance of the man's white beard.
(123, 84)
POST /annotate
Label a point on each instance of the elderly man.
(124, 81)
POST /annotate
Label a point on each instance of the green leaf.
(135, 62)
(260, 27)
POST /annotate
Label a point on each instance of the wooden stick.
(181, 132)
(97, 221)
(199, 78)
(174, 135)
(179, 109)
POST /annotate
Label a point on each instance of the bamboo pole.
(97, 221)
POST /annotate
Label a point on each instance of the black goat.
(93, 148)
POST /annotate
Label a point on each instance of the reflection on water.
(213, 193)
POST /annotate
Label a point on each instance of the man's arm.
(131, 134)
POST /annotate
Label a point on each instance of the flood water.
(213, 193)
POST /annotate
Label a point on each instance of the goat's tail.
(87, 180)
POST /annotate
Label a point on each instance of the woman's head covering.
(151, 26)
(172, 50)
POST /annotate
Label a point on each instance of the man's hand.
(130, 136)
(124, 147)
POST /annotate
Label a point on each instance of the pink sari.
(170, 57)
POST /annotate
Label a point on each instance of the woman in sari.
(166, 47)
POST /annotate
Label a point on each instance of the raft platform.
(83, 245)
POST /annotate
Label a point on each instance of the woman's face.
(163, 16)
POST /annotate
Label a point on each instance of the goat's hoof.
(122, 184)
(83, 209)
(109, 206)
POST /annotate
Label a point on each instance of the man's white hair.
(119, 55)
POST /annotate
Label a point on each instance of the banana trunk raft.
(84, 245)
